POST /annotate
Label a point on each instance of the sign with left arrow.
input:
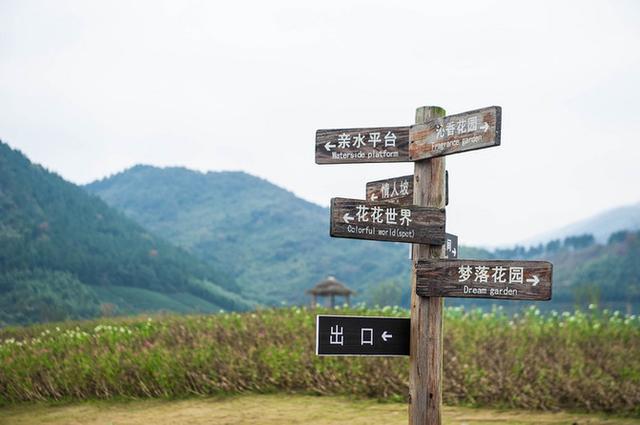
(362, 336)
(382, 221)
(362, 145)
(398, 190)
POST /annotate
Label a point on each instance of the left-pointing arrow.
(328, 146)
(347, 218)
(386, 335)
(374, 197)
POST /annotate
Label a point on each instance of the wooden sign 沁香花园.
(452, 134)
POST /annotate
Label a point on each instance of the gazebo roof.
(330, 286)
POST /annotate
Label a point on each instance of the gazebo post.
(348, 302)
(333, 301)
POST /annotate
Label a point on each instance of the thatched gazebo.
(329, 287)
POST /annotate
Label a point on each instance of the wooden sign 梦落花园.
(362, 145)
(383, 221)
(498, 279)
(456, 133)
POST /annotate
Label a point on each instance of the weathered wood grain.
(398, 190)
(382, 221)
(362, 145)
(468, 131)
(426, 344)
(497, 279)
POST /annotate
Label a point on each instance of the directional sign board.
(383, 221)
(451, 246)
(362, 336)
(498, 279)
(362, 145)
(456, 133)
(398, 190)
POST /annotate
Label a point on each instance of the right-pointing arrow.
(386, 336)
(347, 218)
(534, 280)
(485, 127)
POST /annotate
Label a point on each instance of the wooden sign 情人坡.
(398, 190)
(498, 279)
(383, 221)
(362, 145)
(456, 133)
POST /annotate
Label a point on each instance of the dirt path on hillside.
(271, 410)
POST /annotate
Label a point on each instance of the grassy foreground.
(585, 361)
(272, 410)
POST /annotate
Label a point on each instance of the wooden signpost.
(411, 209)
(362, 336)
(498, 279)
(381, 221)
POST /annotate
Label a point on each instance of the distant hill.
(601, 226)
(65, 254)
(276, 244)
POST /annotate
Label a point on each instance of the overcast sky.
(89, 88)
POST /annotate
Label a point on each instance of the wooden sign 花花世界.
(382, 221)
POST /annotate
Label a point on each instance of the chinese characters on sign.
(352, 218)
(398, 190)
(456, 133)
(362, 336)
(345, 146)
(503, 279)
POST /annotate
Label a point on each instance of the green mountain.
(278, 245)
(65, 254)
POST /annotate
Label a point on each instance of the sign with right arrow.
(456, 133)
(497, 279)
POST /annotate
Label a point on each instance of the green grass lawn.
(271, 410)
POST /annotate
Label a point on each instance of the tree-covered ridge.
(278, 245)
(52, 231)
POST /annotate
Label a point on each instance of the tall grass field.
(588, 361)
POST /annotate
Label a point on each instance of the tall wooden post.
(425, 373)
